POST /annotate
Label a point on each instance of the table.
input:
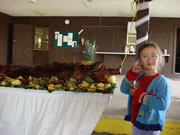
(38, 112)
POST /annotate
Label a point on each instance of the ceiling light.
(32, 1)
(90, 0)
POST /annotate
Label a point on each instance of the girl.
(149, 97)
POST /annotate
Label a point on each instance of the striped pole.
(142, 21)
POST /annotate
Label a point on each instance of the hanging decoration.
(141, 14)
(142, 21)
(81, 37)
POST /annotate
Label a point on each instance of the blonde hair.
(161, 58)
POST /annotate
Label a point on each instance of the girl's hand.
(132, 89)
(137, 68)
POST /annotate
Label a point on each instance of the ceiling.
(116, 8)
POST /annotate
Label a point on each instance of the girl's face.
(149, 60)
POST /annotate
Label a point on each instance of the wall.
(162, 31)
(5, 30)
(76, 24)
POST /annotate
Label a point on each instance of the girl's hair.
(161, 58)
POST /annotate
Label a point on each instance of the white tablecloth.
(36, 112)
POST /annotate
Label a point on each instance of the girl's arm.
(131, 75)
(161, 99)
(125, 85)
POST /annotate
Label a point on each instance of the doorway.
(177, 50)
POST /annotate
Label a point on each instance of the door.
(22, 44)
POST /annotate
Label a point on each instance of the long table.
(38, 112)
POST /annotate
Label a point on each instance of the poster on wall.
(66, 40)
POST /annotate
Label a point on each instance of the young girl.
(149, 94)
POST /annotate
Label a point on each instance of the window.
(41, 38)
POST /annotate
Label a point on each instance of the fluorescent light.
(90, 0)
(32, 1)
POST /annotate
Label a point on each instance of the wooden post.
(142, 21)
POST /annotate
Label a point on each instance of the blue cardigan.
(151, 115)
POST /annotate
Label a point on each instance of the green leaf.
(89, 80)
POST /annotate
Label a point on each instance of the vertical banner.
(142, 21)
(66, 40)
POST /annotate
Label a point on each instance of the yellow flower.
(36, 86)
(3, 83)
(30, 78)
(51, 87)
(100, 86)
(16, 82)
(58, 86)
(20, 77)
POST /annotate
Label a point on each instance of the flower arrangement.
(61, 77)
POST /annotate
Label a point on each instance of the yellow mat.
(119, 126)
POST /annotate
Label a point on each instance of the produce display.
(61, 77)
